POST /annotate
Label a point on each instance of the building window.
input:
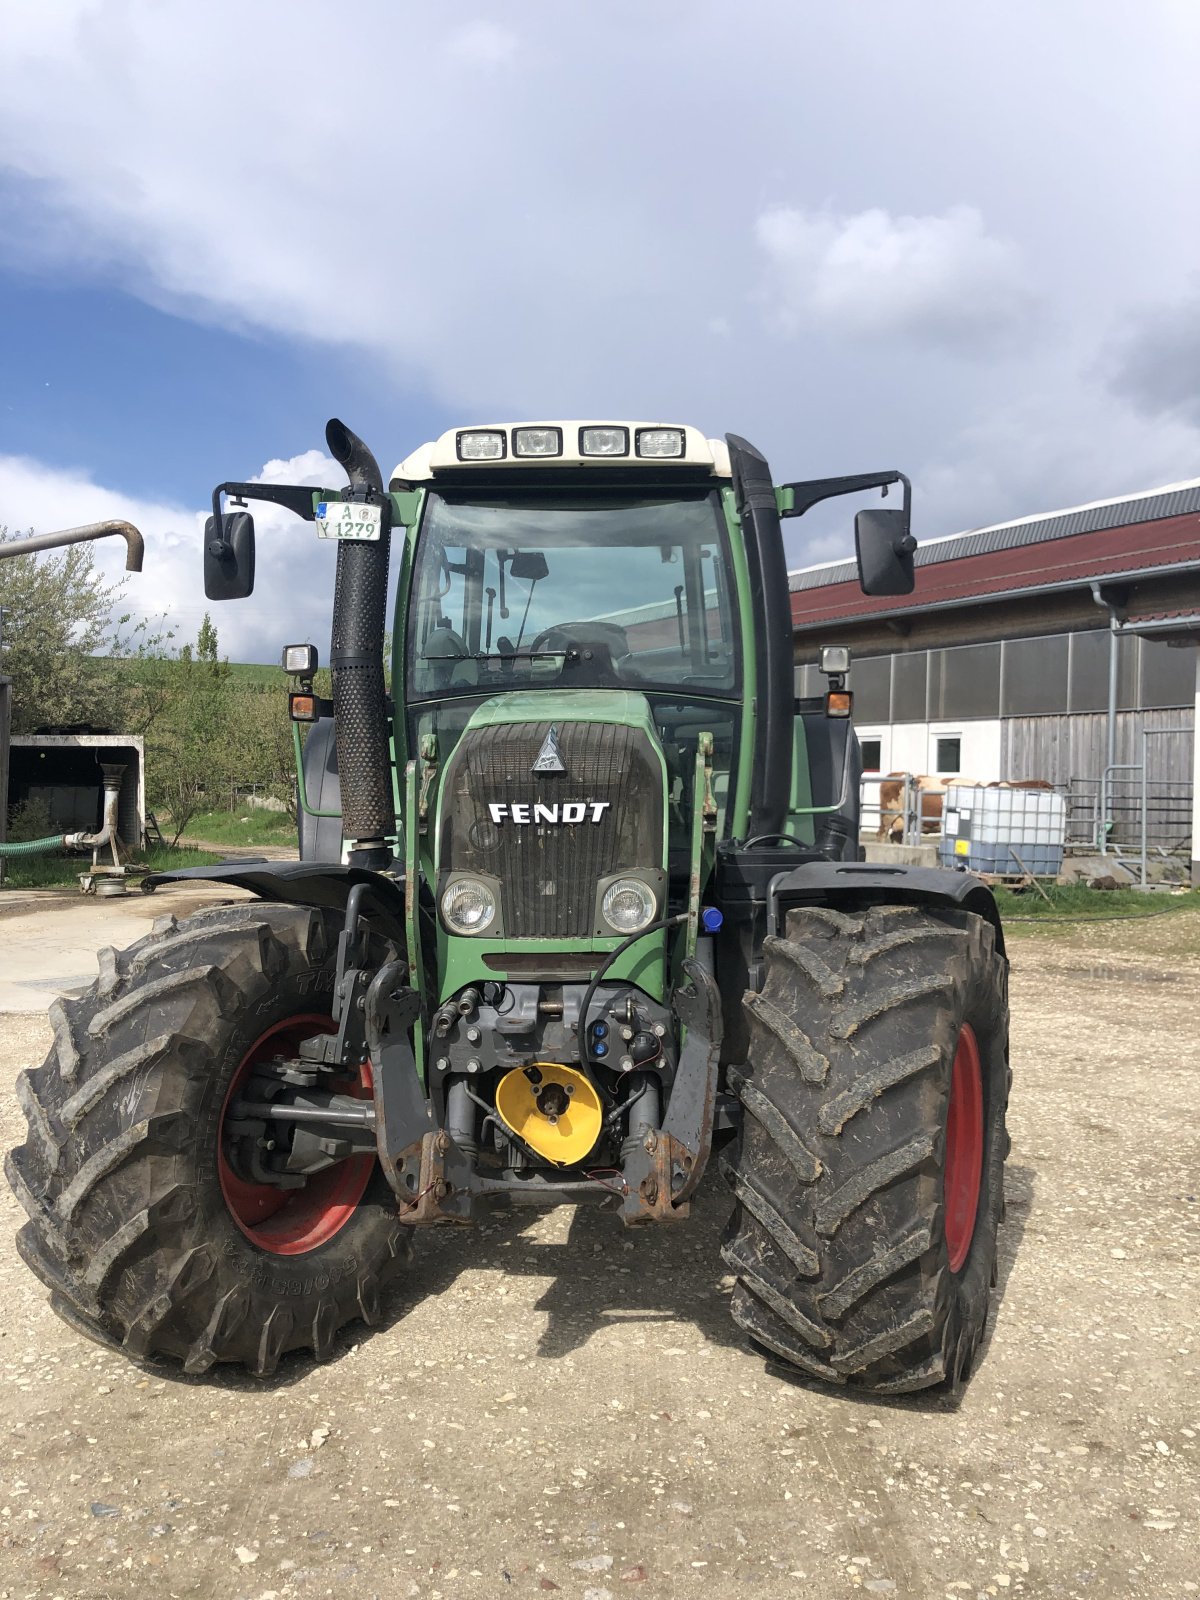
(949, 755)
(872, 750)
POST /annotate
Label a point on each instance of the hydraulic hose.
(356, 660)
(34, 847)
(605, 966)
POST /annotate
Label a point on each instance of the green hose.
(34, 847)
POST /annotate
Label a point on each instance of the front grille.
(549, 871)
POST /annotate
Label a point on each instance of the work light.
(604, 441)
(300, 659)
(481, 444)
(537, 441)
(660, 442)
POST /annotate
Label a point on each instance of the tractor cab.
(600, 608)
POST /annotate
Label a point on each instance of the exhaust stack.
(356, 661)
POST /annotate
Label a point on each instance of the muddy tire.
(869, 1169)
(133, 1223)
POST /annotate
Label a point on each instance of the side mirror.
(884, 548)
(229, 556)
(529, 565)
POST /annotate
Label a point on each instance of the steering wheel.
(581, 634)
(542, 641)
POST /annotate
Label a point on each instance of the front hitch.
(664, 1171)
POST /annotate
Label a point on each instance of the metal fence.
(896, 808)
(1142, 821)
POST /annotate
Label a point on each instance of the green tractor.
(581, 901)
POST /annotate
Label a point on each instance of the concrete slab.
(901, 855)
(49, 937)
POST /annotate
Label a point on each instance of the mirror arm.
(295, 497)
(806, 495)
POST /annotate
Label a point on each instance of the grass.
(62, 871)
(1075, 904)
(250, 827)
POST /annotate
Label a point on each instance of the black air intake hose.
(356, 659)
(766, 568)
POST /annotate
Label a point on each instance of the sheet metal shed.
(1129, 565)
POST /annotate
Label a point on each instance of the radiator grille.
(549, 871)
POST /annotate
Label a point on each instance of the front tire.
(869, 1171)
(137, 1224)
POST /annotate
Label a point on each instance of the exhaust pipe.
(356, 661)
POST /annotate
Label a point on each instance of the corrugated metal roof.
(1176, 499)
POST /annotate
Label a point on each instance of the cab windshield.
(608, 591)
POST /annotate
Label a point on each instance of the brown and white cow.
(930, 796)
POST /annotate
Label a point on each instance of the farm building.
(1061, 646)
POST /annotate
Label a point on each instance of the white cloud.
(1046, 450)
(293, 593)
(578, 220)
(485, 43)
(941, 279)
(1155, 359)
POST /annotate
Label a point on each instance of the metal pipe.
(135, 545)
(1145, 798)
(108, 827)
(1110, 758)
(337, 1116)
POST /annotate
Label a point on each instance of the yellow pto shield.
(551, 1108)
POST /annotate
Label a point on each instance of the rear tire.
(130, 1227)
(869, 1170)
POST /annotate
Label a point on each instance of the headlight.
(628, 906)
(468, 906)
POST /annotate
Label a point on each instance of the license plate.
(346, 519)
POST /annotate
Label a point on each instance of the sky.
(958, 239)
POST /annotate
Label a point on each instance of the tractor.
(578, 901)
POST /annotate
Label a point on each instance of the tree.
(206, 642)
(195, 749)
(57, 616)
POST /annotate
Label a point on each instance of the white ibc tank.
(987, 830)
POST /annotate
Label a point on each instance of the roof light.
(537, 441)
(604, 441)
(660, 442)
(481, 444)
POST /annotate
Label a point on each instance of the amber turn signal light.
(839, 703)
(303, 707)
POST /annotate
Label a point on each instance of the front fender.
(849, 884)
(325, 885)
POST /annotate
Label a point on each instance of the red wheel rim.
(964, 1147)
(290, 1222)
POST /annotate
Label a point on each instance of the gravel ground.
(554, 1406)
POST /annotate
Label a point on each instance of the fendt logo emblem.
(564, 811)
(549, 757)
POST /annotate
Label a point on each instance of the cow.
(930, 794)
